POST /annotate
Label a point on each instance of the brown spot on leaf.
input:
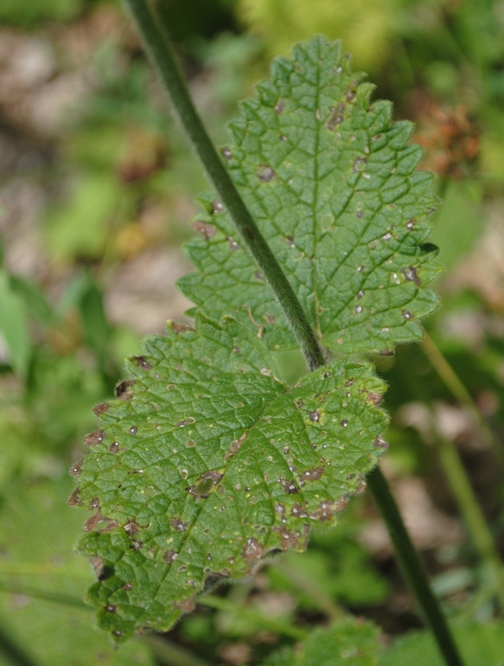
(225, 152)
(411, 275)
(265, 173)
(252, 551)
(279, 106)
(232, 243)
(312, 474)
(141, 362)
(235, 446)
(131, 527)
(111, 608)
(207, 230)
(94, 438)
(136, 544)
(374, 398)
(180, 328)
(114, 447)
(170, 556)
(290, 487)
(299, 511)
(76, 468)
(178, 525)
(380, 443)
(185, 605)
(101, 408)
(98, 565)
(121, 390)
(74, 499)
(295, 540)
(314, 416)
(336, 117)
(92, 522)
(386, 352)
(327, 509)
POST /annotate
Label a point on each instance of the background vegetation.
(96, 188)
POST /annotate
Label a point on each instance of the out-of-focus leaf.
(348, 642)
(79, 227)
(14, 325)
(479, 644)
(37, 561)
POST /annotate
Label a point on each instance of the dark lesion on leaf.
(411, 275)
(252, 551)
(235, 446)
(208, 231)
(176, 327)
(178, 525)
(290, 487)
(75, 499)
(265, 173)
(121, 390)
(312, 474)
(289, 539)
(170, 556)
(327, 509)
(336, 116)
(214, 578)
(141, 362)
(374, 398)
(101, 408)
(94, 438)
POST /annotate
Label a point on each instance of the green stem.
(456, 387)
(412, 566)
(160, 52)
(163, 60)
(473, 516)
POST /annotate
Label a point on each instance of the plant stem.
(163, 60)
(412, 566)
(473, 516)
(456, 387)
(160, 52)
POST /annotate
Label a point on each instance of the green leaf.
(41, 582)
(14, 325)
(348, 642)
(331, 181)
(480, 645)
(206, 462)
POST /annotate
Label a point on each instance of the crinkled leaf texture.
(332, 183)
(349, 642)
(207, 461)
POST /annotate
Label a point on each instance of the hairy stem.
(161, 54)
(412, 566)
(163, 60)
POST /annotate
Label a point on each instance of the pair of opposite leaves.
(206, 461)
